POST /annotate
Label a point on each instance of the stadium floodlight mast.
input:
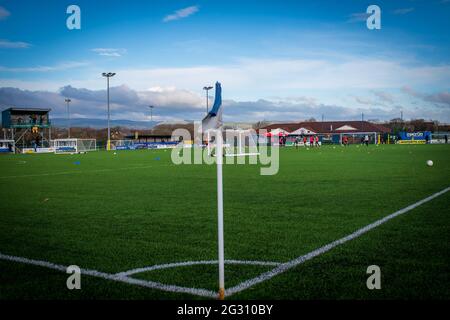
(108, 75)
(151, 113)
(151, 116)
(207, 88)
(362, 121)
(67, 100)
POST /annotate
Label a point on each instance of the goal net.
(358, 138)
(240, 143)
(236, 143)
(64, 146)
(7, 146)
(439, 137)
(122, 144)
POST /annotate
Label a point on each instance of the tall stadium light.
(67, 100)
(151, 113)
(151, 117)
(108, 75)
(362, 121)
(207, 88)
(323, 116)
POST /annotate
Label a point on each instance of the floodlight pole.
(207, 88)
(151, 113)
(151, 117)
(67, 100)
(108, 75)
(362, 121)
(219, 158)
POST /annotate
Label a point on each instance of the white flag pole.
(219, 158)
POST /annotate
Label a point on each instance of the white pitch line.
(193, 263)
(295, 262)
(114, 277)
(122, 277)
(81, 172)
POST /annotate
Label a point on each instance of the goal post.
(241, 143)
(237, 143)
(122, 144)
(358, 137)
(439, 137)
(7, 146)
(64, 146)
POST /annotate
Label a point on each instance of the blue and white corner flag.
(213, 119)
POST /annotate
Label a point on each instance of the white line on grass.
(81, 172)
(114, 277)
(123, 276)
(293, 263)
(193, 263)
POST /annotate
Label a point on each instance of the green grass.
(118, 212)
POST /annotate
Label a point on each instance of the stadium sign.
(408, 136)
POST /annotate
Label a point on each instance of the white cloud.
(109, 52)
(161, 89)
(272, 77)
(358, 17)
(58, 67)
(260, 78)
(304, 85)
(182, 13)
(4, 13)
(13, 45)
(403, 11)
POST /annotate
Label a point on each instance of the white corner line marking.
(297, 261)
(193, 263)
(83, 172)
(114, 277)
(280, 267)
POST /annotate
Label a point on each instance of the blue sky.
(277, 60)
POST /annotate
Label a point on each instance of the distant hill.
(102, 123)
(131, 124)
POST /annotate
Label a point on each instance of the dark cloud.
(173, 104)
(440, 98)
(125, 103)
(384, 96)
(122, 94)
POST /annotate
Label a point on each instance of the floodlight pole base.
(221, 294)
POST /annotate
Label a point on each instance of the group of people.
(364, 140)
(313, 141)
(33, 119)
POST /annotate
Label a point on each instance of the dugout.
(149, 141)
(141, 138)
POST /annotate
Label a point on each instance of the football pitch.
(135, 211)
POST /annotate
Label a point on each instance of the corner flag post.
(219, 158)
(213, 120)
